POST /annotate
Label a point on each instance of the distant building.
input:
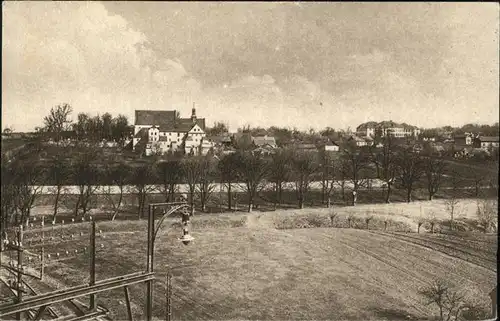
(384, 128)
(264, 141)
(161, 131)
(465, 139)
(358, 141)
(329, 146)
(487, 142)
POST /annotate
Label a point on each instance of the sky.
(291, 64)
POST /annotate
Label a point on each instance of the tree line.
(58, 126)
(399, 167)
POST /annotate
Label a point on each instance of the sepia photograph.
(228, 161)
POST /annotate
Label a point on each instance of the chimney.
(193, 114)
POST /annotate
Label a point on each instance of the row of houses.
(160, 132)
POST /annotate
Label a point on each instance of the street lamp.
(153, 232)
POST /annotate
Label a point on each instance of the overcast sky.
(263, 64)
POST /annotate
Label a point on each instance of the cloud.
(414, 62)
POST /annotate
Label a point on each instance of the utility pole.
(92, 265)
(20, 250)
(42, 251)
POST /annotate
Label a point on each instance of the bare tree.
(58, 120)
(119, 176)
(431, 218)
(58, 173)
(355, 164)
(341, 175)
(410, 169)
(304, 167)
(85, 176)
(453, 200)
(279, 173)
(252, 169)
(28, 184)
(487, 214)
(385, 162)
(327, 178)
(142, 178)
(434, 171)
(228, 170)
(206, 186)
(7, 195)
(192, 174)
(170, 174)
(450, 301)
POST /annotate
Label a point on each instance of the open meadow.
(282, 265)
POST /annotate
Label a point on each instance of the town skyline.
(303, 65)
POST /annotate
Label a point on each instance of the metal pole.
(20, 250)
(92, 265)
(42, 251)
(149, 266)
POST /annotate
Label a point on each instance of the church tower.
(193, 114)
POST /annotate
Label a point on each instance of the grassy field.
(259, 267)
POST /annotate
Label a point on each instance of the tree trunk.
(342, 187)
(388, 194)
(280, 195)
(408, 195)
(328, 202)
(229, 196)
(56, 202)
(432, 227)
(430, 196)
(250, 206)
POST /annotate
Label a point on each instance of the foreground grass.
(241, 267)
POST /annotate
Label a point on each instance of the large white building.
(370, 129)
(163, 131)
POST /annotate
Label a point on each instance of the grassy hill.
(241, 267)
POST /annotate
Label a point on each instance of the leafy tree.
(252, 170)
(219, 128)
(58, 120)
(120, 129)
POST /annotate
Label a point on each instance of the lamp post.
(152, 232)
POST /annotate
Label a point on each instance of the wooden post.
(169, 298)
(20, 250)
(127, 301)
(92, 265)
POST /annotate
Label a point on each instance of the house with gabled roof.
(162, 131)
(264, 142)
